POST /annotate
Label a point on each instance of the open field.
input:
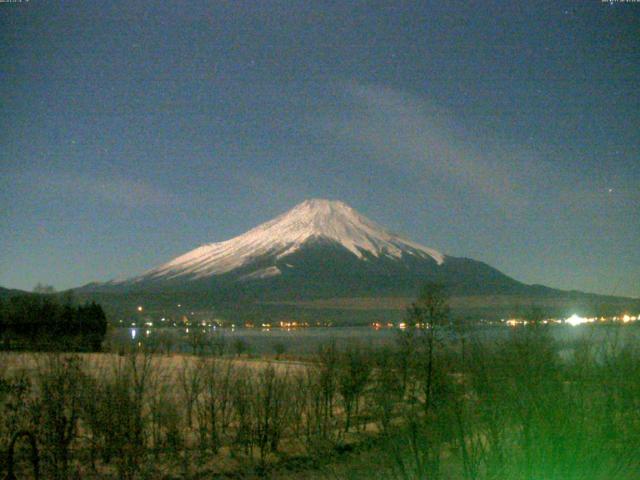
(523, 406)
(168, 366)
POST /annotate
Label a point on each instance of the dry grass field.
(526, 406)
(166, 365)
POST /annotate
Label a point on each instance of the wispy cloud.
(408, 133)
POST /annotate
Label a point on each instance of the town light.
(574, 320)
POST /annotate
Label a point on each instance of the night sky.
(504, 131)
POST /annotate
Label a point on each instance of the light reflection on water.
(307, 340)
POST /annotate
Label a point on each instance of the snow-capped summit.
(320, 249)
(315, 219)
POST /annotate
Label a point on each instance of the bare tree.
(243, 392)
(429, 314)
(240, 346)
(388, 388)
(269, 409)
(190, 381)
(279, 348)
(215, 407)
(59, 382)
(122, 422)
(197, 340)
(354, 369)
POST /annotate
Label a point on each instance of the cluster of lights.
(628, 318)
(514, 322)
(380, 325)
(574, 320)
(282, 324)
(401, 325)
(292, 325)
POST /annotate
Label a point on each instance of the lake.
(307, 340)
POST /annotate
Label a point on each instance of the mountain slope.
(311, 220)
(320, 248)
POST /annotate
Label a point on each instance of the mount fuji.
(318, 249)
(322, 259)
(312, 222)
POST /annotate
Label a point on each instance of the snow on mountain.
(312, 219)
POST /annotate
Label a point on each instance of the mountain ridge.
(320, 249)
(311, 220)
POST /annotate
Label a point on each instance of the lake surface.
(308, 340)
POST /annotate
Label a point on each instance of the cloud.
(415, 137)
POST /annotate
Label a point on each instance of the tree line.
(44, 322)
